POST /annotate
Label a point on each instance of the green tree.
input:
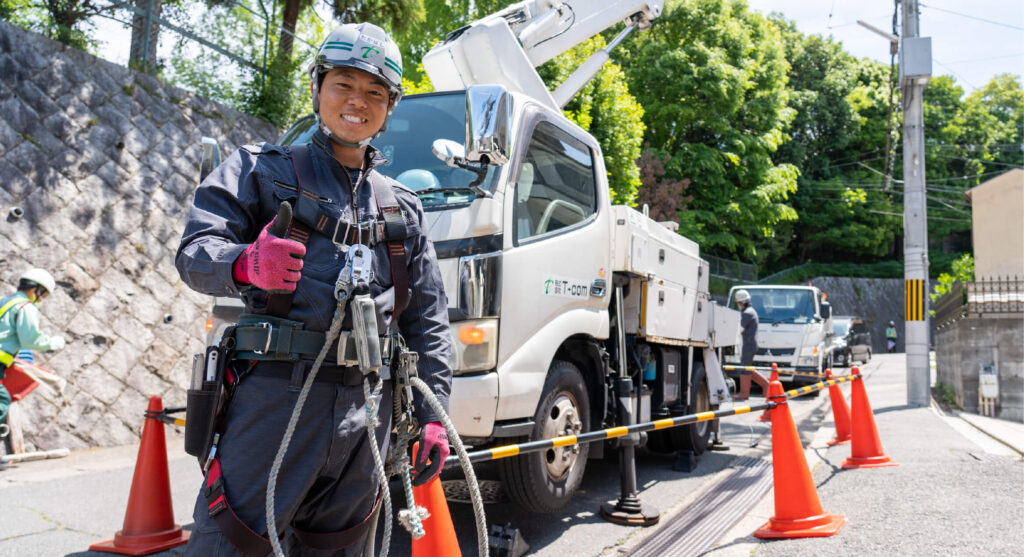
(836, 138)
(606, 109)
(711, 76)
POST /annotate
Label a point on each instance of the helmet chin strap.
(342, 142)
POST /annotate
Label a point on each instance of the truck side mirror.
(488, 118)
(450, 152)
(211, 157)
(826, 310)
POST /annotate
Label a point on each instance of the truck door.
(560, 236)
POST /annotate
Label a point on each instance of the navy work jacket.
(242, 195)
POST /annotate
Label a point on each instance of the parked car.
(851, 341)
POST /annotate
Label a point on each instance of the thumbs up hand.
(272, 263)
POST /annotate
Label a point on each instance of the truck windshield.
(417, 121)
(840, 327)
(782, 305)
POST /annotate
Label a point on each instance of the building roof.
(1008, 178)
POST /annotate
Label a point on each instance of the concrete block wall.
(963, 347)
(103, 161)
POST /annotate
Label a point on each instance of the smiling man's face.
(353, 104)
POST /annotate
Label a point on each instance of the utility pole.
(915, 71)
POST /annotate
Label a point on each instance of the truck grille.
(776, 352)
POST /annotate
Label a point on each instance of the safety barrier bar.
(600, 435)
(164, 415)
(780, 371)
(505, 451)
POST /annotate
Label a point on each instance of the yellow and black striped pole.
(506, 451)
(915, 300)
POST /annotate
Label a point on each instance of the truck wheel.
(694, 437)
(545, 482)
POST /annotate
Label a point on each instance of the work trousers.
(328, 481)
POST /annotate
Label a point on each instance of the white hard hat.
(742, 296)
(40, 277)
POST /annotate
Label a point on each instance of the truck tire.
(545, 482)
(695, 437)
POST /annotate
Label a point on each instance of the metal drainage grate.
(700, 525)
(457, 491)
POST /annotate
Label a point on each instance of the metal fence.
(990, 296)
(730, 269)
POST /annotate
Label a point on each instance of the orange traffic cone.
(440, 540)
(798, 512)
(840, 412)
(866, 448)
(766, 416)
(149, 520)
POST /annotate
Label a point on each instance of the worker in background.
(890, 337)
(328, 487)
(748, 325)
(19, 328)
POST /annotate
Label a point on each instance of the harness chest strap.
(309, 218)
(7, 359)
(252, 544)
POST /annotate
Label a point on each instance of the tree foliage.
(606, 109)
(711, 77)
(837, 140)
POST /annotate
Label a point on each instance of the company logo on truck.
(566, 288)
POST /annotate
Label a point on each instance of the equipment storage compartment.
(651, 252)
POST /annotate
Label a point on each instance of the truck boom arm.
(504, 48)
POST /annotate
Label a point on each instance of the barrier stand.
(840, 411)
(628, 510)
(149, 519)
(866, 448)
(798, 512)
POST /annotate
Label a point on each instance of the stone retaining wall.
(103, 161)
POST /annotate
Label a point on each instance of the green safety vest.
(5, 358)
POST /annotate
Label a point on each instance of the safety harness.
(287, 341)
(6, 359)
(309, 218)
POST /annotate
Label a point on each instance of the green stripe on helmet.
(391, 64)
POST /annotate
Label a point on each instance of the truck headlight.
(474, 345)
(808, 351)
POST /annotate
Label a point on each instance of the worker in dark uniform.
(748, 324)
(327, 482)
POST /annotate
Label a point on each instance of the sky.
(963, 46)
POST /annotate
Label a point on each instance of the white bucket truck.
(794, 329)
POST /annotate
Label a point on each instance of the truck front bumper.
(473, 404)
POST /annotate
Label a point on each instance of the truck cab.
(794, 329)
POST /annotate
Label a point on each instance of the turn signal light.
(471, 334)
(209, 324)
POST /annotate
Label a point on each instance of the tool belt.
(264, 337)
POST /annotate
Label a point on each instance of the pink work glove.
(272, 263)
(433, 445)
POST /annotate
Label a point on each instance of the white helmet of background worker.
(38, 277)
(742, 297)
(362, 46)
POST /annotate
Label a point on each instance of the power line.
(973, 17)
(956, 75)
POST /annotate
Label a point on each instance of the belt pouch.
(203, 403)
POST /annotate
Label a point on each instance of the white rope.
(372, 407)
(467, 466)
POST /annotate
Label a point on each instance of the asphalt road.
(950, 493)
